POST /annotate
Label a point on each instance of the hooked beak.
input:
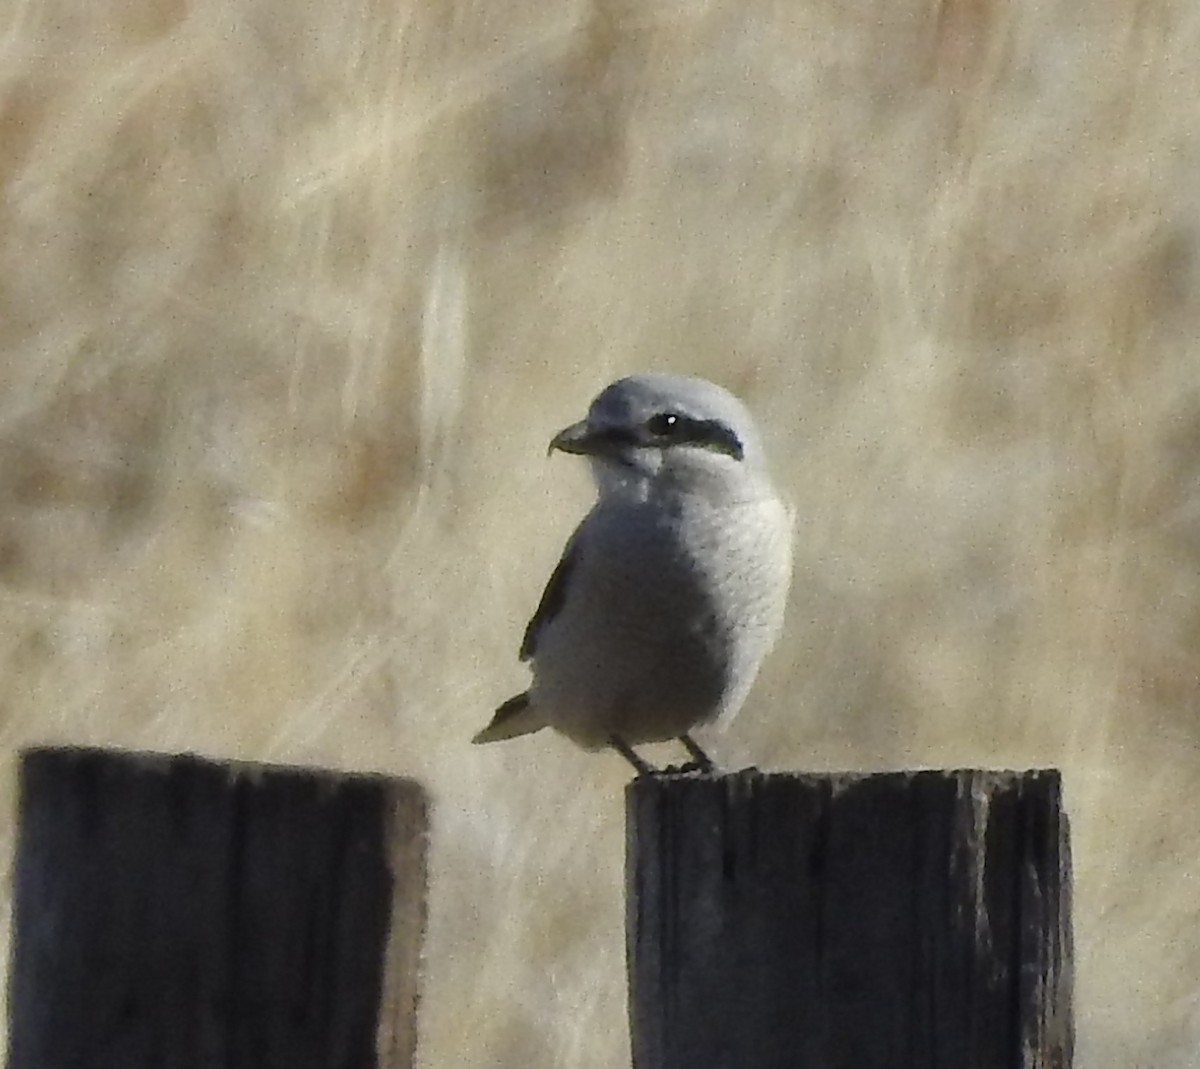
(580, 439)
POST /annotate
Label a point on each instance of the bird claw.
(687, 768)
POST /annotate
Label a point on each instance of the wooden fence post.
(892, 921)
(174, 912)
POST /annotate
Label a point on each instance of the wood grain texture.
(174, 912)
(891, 921)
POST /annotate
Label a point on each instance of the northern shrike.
(671, 590)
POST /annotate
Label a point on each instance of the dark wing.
(553, 597)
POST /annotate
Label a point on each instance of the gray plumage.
(671, 590)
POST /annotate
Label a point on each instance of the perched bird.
(671, 590)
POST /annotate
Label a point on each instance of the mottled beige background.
(293, 295)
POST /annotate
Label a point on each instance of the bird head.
(659, 428)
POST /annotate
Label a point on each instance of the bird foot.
(687, 768)
(700, 761)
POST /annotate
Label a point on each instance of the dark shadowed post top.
(909, 920)
(176, 912)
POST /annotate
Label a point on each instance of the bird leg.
(644, 768)
(700, 761)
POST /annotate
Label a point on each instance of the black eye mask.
(671, 428)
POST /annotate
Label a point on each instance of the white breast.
(671, 608)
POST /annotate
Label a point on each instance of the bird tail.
(515, 717)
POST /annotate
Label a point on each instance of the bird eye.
(664, 424)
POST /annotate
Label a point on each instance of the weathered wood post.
(893, 921)
(173, 912)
